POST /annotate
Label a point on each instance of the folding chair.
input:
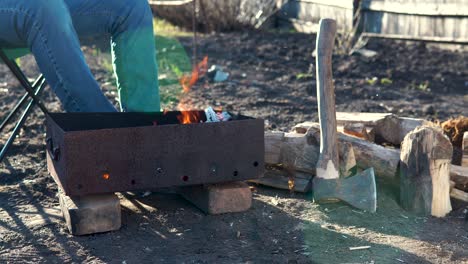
(8, 57)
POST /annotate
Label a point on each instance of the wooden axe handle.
(328, 162)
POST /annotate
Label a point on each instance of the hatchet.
(358, 190)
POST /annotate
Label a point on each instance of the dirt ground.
(271, 77)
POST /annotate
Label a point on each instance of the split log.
(388, 127)
(459, 195)
(358, 130)
(300, 151)
(464, 162)
(273, 143)
(424, 173)
(393, 129)
(367, 119)
(459, 175)
(292, 150)
(347, 159)
(301, 182)
(369, 155)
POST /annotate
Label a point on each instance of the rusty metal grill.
(109, 152)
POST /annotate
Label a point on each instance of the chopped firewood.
(302, 128)
(356, 129)
(281, 179)
(393, 129)
(292, 150)
(424, 172)
(465, 150)
(459, 175)
(367, 119)
(367, 154)
(459, 195)
(452, 185)
(347, 159)
(273, 143)
(455, 128)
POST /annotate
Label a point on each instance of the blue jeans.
(50, 29)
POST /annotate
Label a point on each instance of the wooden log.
(273, 143)
(459, 195)
(393, 129)
(367, 119)
(459, 175)
(347, 159)
(302, 182)
(367, 154)
(464, 162)
(292, 150)
(356, 129)
(424, 172)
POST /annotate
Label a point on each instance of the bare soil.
(271, 77)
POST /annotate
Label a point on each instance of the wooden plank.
(447, 40)
(413, 27)
(427, 8)
(348, 4)
(305, 15)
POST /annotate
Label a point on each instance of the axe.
(358, 190)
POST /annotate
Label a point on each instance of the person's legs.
(130, 25)
(46, 28)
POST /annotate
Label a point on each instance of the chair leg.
(22, 79)
(21, 121)
(20, 103)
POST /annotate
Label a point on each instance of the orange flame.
(198, 71)
(187, 82)
(189, 117)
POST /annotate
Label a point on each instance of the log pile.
(426, 178)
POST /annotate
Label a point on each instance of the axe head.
(358, 190)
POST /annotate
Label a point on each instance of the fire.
(187, 82)
(188, 117)
(198, 71)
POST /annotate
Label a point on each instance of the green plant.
(386, 81)
(300, 76)
(372, 81)
(424, 86)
